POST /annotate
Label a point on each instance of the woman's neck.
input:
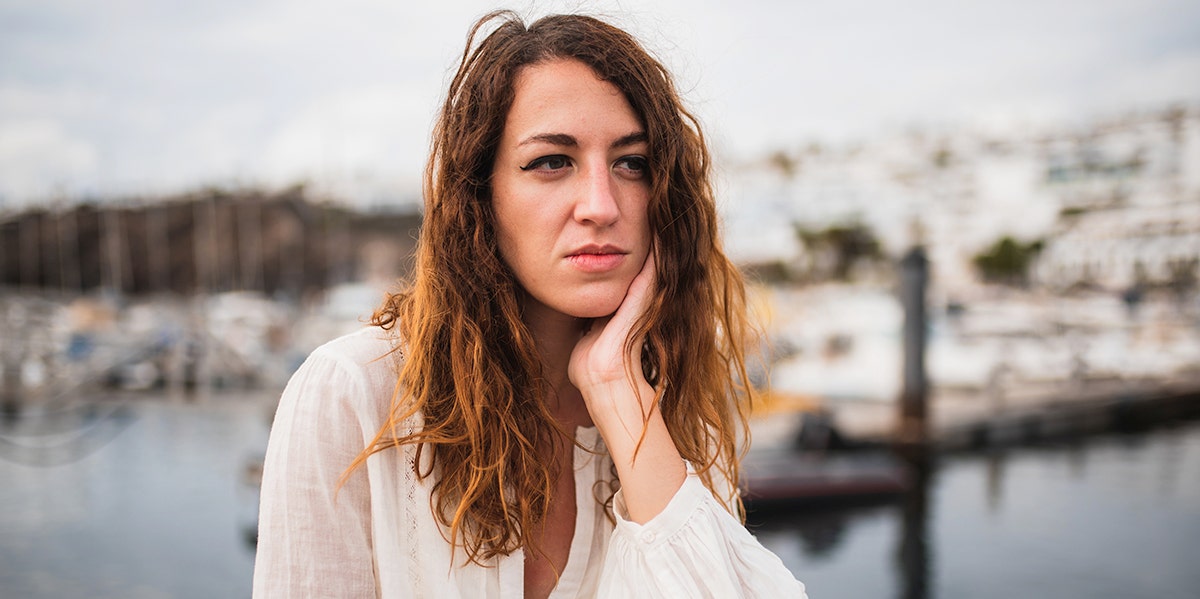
(556, 335)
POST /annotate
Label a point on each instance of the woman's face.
(569, 190)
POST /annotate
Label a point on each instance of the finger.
(637, 297)
(643, 283)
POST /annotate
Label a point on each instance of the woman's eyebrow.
(563, 139)
(636, 137)
(557, 139)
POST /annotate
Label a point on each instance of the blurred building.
(1114, 202)
(283, 243)
(1129, 203)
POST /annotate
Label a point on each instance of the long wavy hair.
(471, 375)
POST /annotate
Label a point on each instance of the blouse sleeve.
(314, 539)
(694, 548)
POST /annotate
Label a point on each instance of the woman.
(551, 408)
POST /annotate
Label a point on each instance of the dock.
(784, 479)
(1035, 414)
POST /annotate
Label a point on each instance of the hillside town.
(1059, 258)
(1114, 202)
(1062, 260)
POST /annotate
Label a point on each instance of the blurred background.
(972, 232)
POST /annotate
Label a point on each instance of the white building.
(1129, 193)
(1113, 201)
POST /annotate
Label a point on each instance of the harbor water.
(136, 497)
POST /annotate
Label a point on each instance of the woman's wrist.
(648, 464)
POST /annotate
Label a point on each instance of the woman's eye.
(548, 163)
(634, 166)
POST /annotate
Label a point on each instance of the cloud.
(342, 135)
(269, 90)
(37, 156)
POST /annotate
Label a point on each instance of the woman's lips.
(596, 259)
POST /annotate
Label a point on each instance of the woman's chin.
(596, 301)
(579, 306)
(594, 309)
(596, 305)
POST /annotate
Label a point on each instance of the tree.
(1007, 261)
(845, 246)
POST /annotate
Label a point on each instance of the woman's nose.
(597, 200)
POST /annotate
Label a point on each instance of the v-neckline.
(585, 514)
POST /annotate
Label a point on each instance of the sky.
(128, 98)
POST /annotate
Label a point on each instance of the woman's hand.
(608, 373)
(601, 364)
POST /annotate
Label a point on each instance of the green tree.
(1007, 261)
(847, 244)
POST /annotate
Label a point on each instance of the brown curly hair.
(471, 373)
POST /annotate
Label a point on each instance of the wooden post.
(914, 278)
(11, 356)
(199, 264)
(71, 277)
(158, 247)
(29, 256)
(913, 434)
(111, 227)
(249, 243)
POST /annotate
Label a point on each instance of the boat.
(799, 457)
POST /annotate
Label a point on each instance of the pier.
(964, 422)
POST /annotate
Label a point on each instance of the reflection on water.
(818, 532)
(914, 530)
(143, 498)
(63, 434)
(129, 498)
(1116, 516)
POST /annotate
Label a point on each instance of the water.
(1117, 516)
(144, 498)
(131, 499)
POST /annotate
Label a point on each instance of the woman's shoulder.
(366, 348)
(361, 367)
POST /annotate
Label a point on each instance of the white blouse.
(377, 537)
